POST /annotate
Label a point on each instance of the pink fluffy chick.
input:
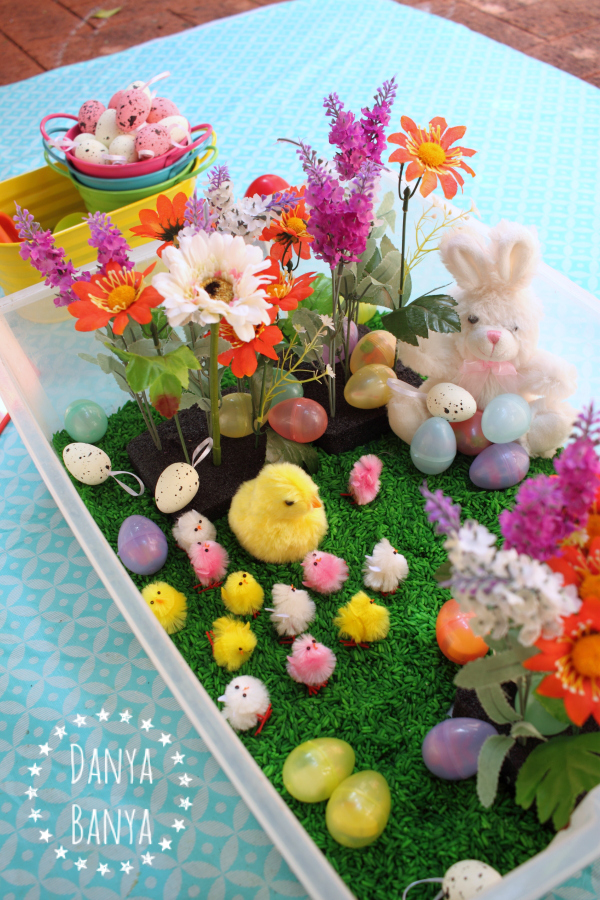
(209, 561)
(324, 572)
(364, 481)
(311, 663)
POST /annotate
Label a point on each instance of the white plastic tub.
(40, 374)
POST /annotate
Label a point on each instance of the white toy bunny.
(496, 350)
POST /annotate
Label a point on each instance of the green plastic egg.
(315, 768)
(235, 415)
(359, 809)
(85, 421)
(290, 388)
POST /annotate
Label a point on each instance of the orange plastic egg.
(455, 637)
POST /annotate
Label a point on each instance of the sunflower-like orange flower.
(289, 234)
(163, 223)
(285, 291)
(116, 295)
(574, 660)
(242, 354)
(430, 155)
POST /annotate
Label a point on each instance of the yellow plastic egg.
(359, 809)
(314, 769)
(368, 387)
(235, 415)
(374, 347)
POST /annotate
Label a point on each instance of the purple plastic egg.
(451, 748)
(499, 466)
(340, 342)
(142, 547)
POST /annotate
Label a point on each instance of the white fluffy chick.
(294, 610)
(246, 702)
(385, 568)
(193, 528)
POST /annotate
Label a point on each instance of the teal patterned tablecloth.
(72, 675)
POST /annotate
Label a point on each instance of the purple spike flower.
(217, 176)
(109, 242)
(38, 247)
(441, 510)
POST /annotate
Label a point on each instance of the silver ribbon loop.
(425, 881)
(202, 451)
(400, 387)
(125, 487)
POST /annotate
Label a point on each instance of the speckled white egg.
(177, 126)
(468, 879)
(80, 138)
(124, 145)
(451, 402)
(87, 463)
(176, 487)
(91, 151)
(107, 129)
(137, 86)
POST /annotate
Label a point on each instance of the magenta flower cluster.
(38, 247)
(109, 242)
(441, 511)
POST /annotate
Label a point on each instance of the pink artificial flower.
(324, 572)
(364, 481)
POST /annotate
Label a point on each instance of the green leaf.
(556, 773)
(495, 703)
(165, 393)
(386, 246)
(489, 762)
(142, 371)
(398, 324)
(281, 450)
(407, 289)
(202, 347)
(386, 205)
(110, 366)
(504, 666)
(388, 270)
(373, 262)
(106, 13)
(555, 707)
(443, 572)
(526, 730)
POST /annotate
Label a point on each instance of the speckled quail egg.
(138, 86)
(451, 402)
(160, 109)
(87, 463)
(467, 879)
(124, 145)
(107, 129)
(178, 128)
(91, 151)
(89, 114)
(176, 487)
(152, 141)
(133, 110)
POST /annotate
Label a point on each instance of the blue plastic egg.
(499, 466)
(433, 447)
(85, 421)
(506, 418)
(451, 748)
(141, 545)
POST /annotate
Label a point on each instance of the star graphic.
(31, 792)
(103, 869)
(165, 739)
(79, 720)
(60, 732)
(45, 835)
(165, 844)
(81, 864)
(61, 852)
(185, 780)
(147, 724)
(44, 749)
(35, 814)
(178, 758)
(147, 859)
(35, 770)
(126, 716)
(126, 867)
(102, 715)
(185, 804)
(178, 825)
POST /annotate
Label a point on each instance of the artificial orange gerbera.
(289, 234)
(116, 295)
(285, 290)
(163, 223)
(242, 354)
(574, 660)
(430, 156)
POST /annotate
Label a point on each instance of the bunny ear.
(466, 258)
(517, 253)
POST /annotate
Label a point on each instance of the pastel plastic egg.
(375, 347)
(235, 415)
(85, 421)
(314, 769)
(91, 151)
(368, 388)
(433, 446)
(89, 114)
(106, 128)
(366, 311)
(177, 127)
(451, 748)
(133, 109)
(160, 109)
(340, 343)
(470, 439)
(467, 879)
(87, 463)
(451, 402)
(359, 809)
(506, 418)
(300, 420)
(499, 466)
(141, 545)
(176, 487)
(124, 145)
(288, 390)
(455, 637)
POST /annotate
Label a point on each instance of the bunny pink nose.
(494, 336)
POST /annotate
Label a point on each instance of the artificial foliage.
(382, 700)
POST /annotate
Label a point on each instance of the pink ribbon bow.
(474, 373)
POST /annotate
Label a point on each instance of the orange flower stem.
(214, 393)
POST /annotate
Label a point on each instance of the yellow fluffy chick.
(233, 642)
(242, 594)
(363, 620)
(168, 605)
(278, 516)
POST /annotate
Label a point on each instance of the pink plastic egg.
(298, 419)
(470, 439)
(133, 110)
(88, 116)
(152, 141)
(160, 109)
